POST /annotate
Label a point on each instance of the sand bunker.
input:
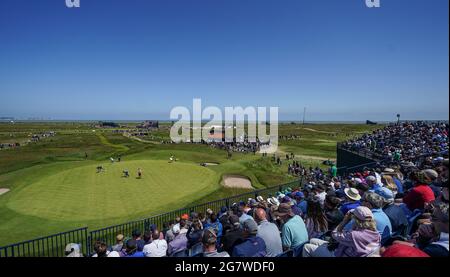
(209, 164)
(236, 181)
(3, 191)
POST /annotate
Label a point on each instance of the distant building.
(106, 124)
(148, 125)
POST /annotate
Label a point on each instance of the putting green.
(83, 194)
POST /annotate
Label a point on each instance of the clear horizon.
(138, 59)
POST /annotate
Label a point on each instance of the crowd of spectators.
(395, 211)
(370, 213)
(403, 143)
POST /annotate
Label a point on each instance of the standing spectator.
(158, 246)
(252, 246)
(209, 240)
(269, 233)
(293, 230)
(195, 233)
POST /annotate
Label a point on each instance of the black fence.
(53, 245)
(49, 246)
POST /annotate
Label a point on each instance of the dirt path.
(237, 182)
(317, 131)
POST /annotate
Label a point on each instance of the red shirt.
(418, 196)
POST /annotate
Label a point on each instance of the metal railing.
(49, 246)
(53, 245)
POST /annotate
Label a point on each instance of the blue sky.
(136, 59)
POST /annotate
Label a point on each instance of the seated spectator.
(362, 240)
(375, 203)
(209, 240)
(73, 250)
(315, 219)
(403, 250)
(131, 250)
(169, 235)
(158, 246)
(252, 246)
(269, 233)
(396, 216)
(421, 193)
(101, 250)
(233, 236)
(439, 228)
(119, 243)
(333, 214)
(300, 201)
(352, 200)
(293, 230)
(179, 242)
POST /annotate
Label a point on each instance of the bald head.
(260, 215)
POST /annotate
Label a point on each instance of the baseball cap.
(384, 192)
(363, 213)
(250, 226)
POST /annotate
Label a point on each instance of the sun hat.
(362, 213)
(119, 237)
(209, 211)
(352, 193)
(284, 209)
(388, 170)
(259, 198)
(275, 201)
(73, 250)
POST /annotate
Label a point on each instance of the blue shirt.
(398, 219)
(398, 184)
(137, 254)
(349, 206)
(243, 218)
(294, 233)
(251, 247)
(303, 205)
(216, 225)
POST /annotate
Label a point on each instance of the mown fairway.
(54, 188)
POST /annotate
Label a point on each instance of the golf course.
(53, 185)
